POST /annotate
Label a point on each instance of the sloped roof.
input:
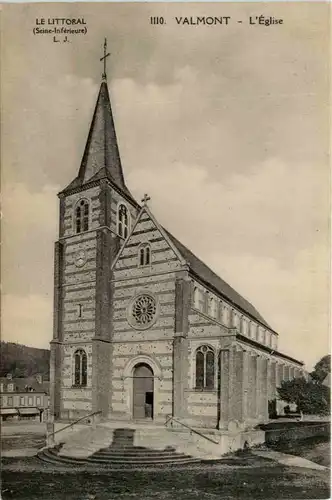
(101, 158)
(20, 384)
(203, 272)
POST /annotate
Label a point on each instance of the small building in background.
(24, 398)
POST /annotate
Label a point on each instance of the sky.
(226, 128)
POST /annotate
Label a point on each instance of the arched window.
(82, 216)
(123, 221)
(144, 254)
(235, 319)
(221, 315)
(80, 368)
(196, 297)
(206, 302)
(205, 368)
(268, 339)
(212, 307)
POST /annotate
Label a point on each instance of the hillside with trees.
(23, 361)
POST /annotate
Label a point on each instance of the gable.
(164, 255)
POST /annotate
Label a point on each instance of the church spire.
(101, 156)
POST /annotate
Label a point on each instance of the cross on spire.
(104, 76)
(145, 199)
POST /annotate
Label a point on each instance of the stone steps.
(107, 459)
(141, 446)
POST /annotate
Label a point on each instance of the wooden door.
(142, 392)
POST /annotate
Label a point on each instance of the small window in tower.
(144, 254)
(80, 310)
(82, 216)
(205, 367)
(80, 368)
(123, 221)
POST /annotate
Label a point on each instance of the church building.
(143, 329)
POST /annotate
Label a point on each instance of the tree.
(321, 369)
(310, 397)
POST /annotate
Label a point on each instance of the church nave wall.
(202, 401)
(207, 308)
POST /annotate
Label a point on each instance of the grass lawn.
(30, 479)
(25, 441)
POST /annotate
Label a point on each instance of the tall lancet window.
(123, 221)
(205, 367)
(80, 368)
(82, 216)
(144, 255)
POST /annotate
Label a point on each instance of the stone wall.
(287, 432)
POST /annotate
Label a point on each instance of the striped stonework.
(155, 343)
(123, 353)
(82, 317)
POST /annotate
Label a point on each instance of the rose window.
(143, 311)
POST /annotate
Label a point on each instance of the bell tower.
(96, 211)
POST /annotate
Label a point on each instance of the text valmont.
(223, 20)
(60, 21)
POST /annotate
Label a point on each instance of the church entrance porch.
(143, 391)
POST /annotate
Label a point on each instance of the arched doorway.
(143, 383)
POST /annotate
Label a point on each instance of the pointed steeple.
(101, 158)
(101, 151)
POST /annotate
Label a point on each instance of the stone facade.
(126, 294)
